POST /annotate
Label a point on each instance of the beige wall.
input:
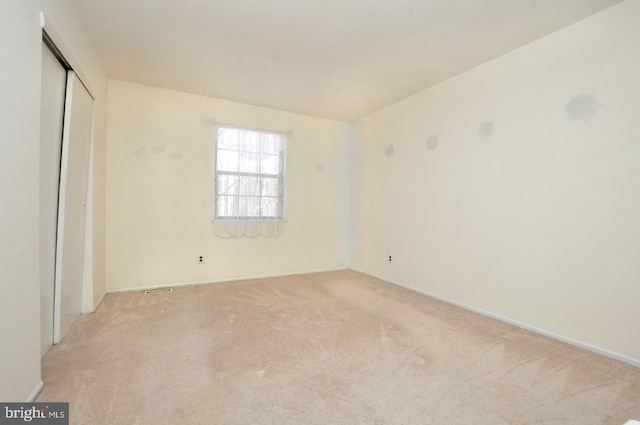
(160, 191)
(20, 40)
(19, 136)
(537, 222)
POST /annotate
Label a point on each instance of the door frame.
(56, 43)
(52, 103)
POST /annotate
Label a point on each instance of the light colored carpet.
(326, 348)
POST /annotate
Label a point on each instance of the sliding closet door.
(78, 119)
(54, 82)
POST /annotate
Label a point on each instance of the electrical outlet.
(390, 259)
(200, 259)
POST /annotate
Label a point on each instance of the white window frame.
(280, 176)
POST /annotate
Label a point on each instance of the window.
(249, 177)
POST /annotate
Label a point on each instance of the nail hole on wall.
(389, 151)
(485, 130)
(432, 142)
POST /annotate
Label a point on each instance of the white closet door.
(78, 119)
(54, 82)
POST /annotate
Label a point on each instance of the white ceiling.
(337, 59)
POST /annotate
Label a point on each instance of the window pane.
(228, 138)
(269, 144)
(250, 206)
(250, 186)
(270, 164)
(227, 185)
(270, 186)
(227, 206)
(279, 144)
(270, 207)
(226, 160)
(249, 162)
(251, 141)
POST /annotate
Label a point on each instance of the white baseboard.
(35, 392)
(601, 351)
(207, 282)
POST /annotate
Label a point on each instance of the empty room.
(320, 212)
